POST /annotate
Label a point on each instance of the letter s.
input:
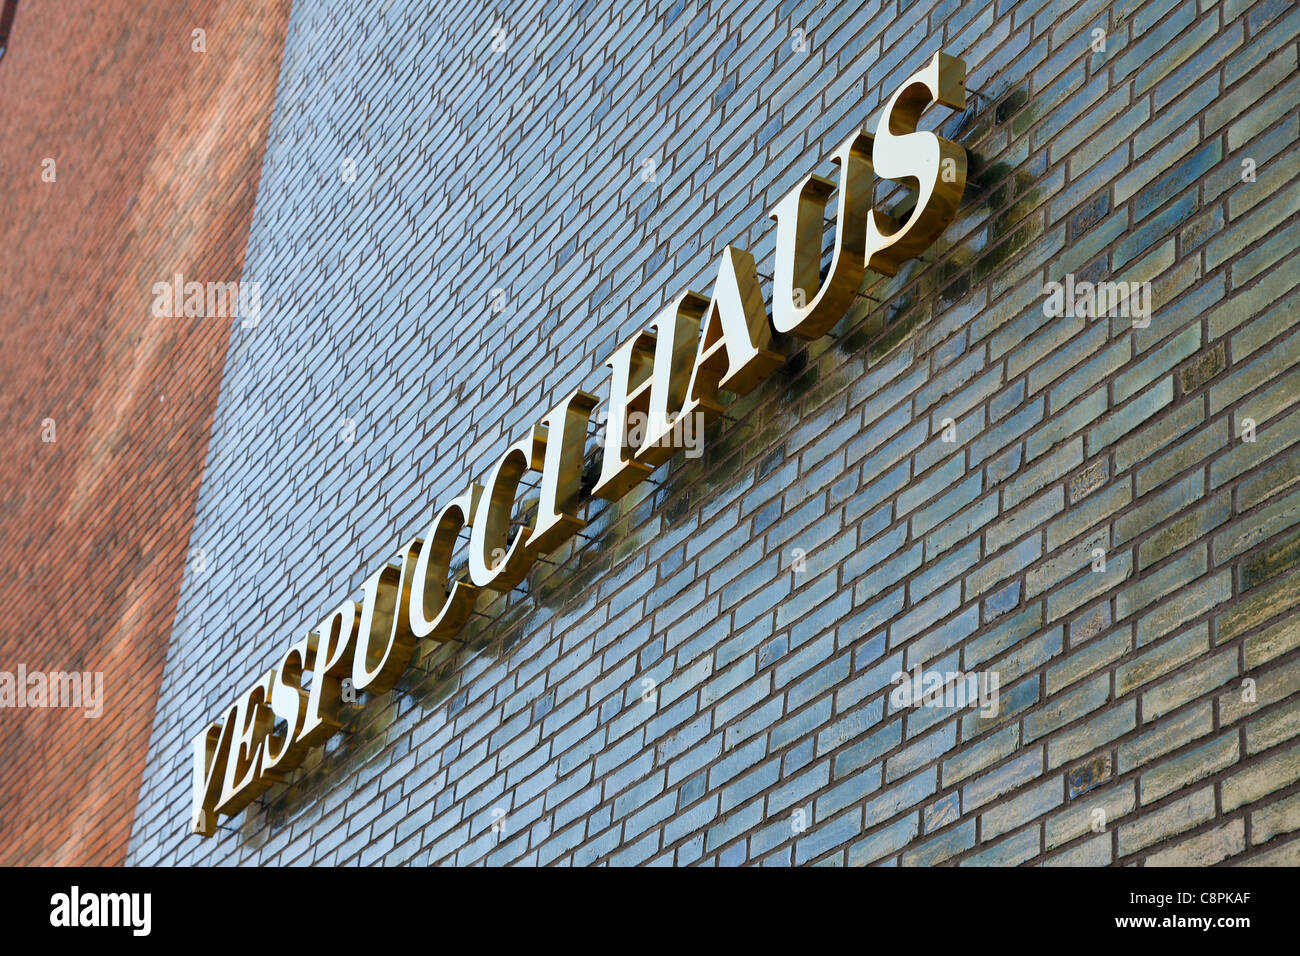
(937, 165)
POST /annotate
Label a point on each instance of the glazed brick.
(961, 525)
(1177, 774)
(1275, 727)
(1254, 374)
(1264, 522)
(1026, 518)
(1089, 624)
(924, 615)
(1136, 411)
(772, 683)
(1275, 437)
(1210, 672)
(1079, 557)
(1158, 507)
(1206, 849)
(1049, 470)
(942, 637)
(923, 752)
(1167, 735)
(1010, 852)
(1011, 703)
(1087, 735)
(1068, 707)
(1000, 568)
(1094, 852)
(1272, 642)
(1204, 443)
(1267, 403)
(937, 849)
(1096, 654)
(942, 812)
(1187, 530)
(1272, 322)
(1081, 817)
(1081, 518)
(1089, 585)
(884, 842)
(825, 836)
(1250, 302)
(1274, 819)
(690, 821)
(978, 792)
(1190, 603)
(1149, 587)
(1022, 808)
(1028, 656)
(800, 788)
(867, 749)
(1161, 659)
(1270, 687)
(900, 797)
(1155, 436)
(751, 783)
(1173, 818)
(1002, 635)
(1170, 354)
(1265, 601)
(1288, 854)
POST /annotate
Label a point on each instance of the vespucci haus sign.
(695, 348)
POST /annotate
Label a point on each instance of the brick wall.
(156, 156)
(829, 537)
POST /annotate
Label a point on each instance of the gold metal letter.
(283, 752)
(629, 391)
(733, 349)
(252, 721)
(211, 748)
(566, 433)
(385, 603)
(338, 638)
(936, 164)
(434, 609)
(799, 228)
(677, 336)
(494, 563)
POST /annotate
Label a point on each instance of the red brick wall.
(158, 151)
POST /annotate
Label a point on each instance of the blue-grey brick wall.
(578, 178)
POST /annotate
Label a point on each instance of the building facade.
(128, 155)
(1057, 452)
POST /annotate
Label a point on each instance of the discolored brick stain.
(1089, 775)
(157, 155)
(1122, 686)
